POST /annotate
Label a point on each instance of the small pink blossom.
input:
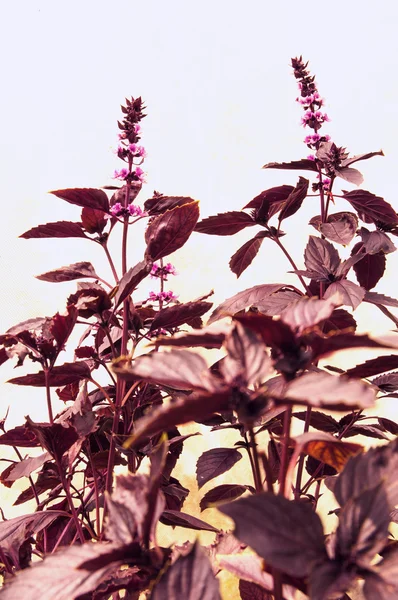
(163, 296)
(136, 211)
(158, 271)
(116, 209)
(312, 139)
(137, 150)
(310, 157)
(140, 174)
(137, 128)
(157, 332)
(122, 174)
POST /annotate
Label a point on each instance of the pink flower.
(140, 174)
(164, 296)
(158, 271)
(122, 174)
(310, 157)
(137, 150)
(312, 139)
(116, 209)
(136, 211)
(157, 332)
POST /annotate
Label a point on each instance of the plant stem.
(300, 468)
(290, 259)
(48, 394)
(277, 584)
(255, 461)
(95, 475)
(111, 263)
(99, 386)
(65, 485)
(268, 472)
(285, 451)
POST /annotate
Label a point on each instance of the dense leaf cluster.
(90, 538)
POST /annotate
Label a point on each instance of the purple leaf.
(319, 421)
(60, 229)
(372, 431)
(320, 257)
(63, 576)
(93, 220)
(363, 526)
(340, 227)
(370, 269)
(178, 314)
(90, 301)
(382, 582)
(215, 462)
(20, 436)
(246, 359)
(287, 534)
(371, 208)
(75, 271)
(14, 532)
(250, 568)
(62, 326)
(61, 375)
(294, 200)
(250, 297)
(207, 337)
(388, 425)
(246, 254)
(28, 325)
(195, 407)
(274, 304)
(323, 389)
(225, 223)
(88, 197)
(325, 346)
(374, 366)
(353, 159)
(54, 438)
(274, 333)
(367, 470)
(131, 279)
(351, 175)
(169, 231)
(304, 164)
(127, 509)
(330, 580)
(269, 202)
(375, 298)
(175, 518)
(340, 320)
(376, 241)
(222, 493)
(387, 383)
(351, 294)
(251, 591)
(27, 466)
(190, 577)
(307, 312)
(180, 369)
(159, 204)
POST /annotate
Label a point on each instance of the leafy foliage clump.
(93, 538)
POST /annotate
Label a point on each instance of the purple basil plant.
(92, 536)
